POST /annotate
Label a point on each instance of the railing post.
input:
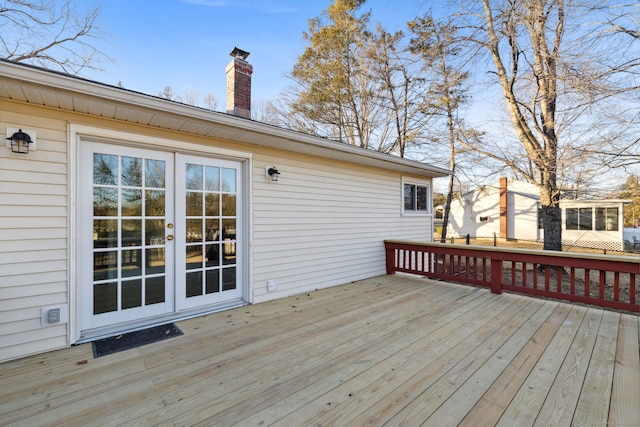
(496, 276)
(390, 259)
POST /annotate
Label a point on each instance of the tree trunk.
(551, 219)
(447, 209)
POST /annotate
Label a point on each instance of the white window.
(416, 197)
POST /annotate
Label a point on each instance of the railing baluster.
(603, 283)
(572, 281)
(547, 276)
(587, 282)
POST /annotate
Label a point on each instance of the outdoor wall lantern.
(20, 142)
(272, 173)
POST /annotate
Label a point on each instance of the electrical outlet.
(272, 285)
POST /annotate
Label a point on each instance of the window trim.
(417, 183)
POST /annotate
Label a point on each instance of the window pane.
(154, 202)
(154, 290)
(131, 232)
(131, 263)
(105, 169)
(422, 200)
(194, 257)
(132, 171)
(540, 219)
(228, 204)
(155, 262)
(212, 202)
(132, 293)
(213, 230)
(154, 232)
(154, 174)
(228, 229)
(586, 219)
(607, 219)
(105, 233)
(228, 278)
(229, 180)
(105, 297)
(105, 265)
(601, 221)
(131, 202)
(194, 284)
(194, 177)
(194, 230)
(612, 219)
(409, 197)
(571, 219)
(194, 204)
(105, 201)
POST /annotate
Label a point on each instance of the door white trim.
(78, 133)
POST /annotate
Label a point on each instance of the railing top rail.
(520, 251)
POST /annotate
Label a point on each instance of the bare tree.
(435, 43)
(404, 109)
(168, 93)
(190, 97)
(555, 76)
(49, 33)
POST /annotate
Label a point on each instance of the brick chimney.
(239, 84)
(503, 207)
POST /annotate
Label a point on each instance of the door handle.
(170, 237)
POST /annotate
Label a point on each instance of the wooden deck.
(392, 350)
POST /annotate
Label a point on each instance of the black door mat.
(135, 339)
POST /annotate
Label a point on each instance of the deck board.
(391, 349)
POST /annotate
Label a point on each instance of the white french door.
(159, 233)
(210, 217)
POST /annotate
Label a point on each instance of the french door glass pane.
(211, 208)
(129, 198)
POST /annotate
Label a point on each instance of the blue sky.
(185, 44)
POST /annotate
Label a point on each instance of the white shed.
(131, 210)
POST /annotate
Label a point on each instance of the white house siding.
(33, 232)
(312, 231)
(523, 217)
(309, 230)
(468, 209)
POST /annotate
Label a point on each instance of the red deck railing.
(601, 280)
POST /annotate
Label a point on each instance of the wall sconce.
(19, 141)
(272, 173)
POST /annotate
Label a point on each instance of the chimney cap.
(239, 53)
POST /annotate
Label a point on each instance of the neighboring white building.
(510, 210)
(131, 210)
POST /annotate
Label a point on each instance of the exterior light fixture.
(20, 142)
(272, 173)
